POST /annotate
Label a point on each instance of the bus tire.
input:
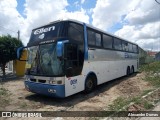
(90, 84)
(132, 69)
(128, 71)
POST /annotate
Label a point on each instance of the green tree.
(8, 48)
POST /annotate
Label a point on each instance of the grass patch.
(136, 100)
(122, 103)
(4, 98)
(152, 75)
(154, 67)
(118, 104)
(152, 72)
(154, 80)
(146, 92)
(147, 105)
(3, 91)
(23, 105)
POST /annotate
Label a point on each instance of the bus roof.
(88, 25)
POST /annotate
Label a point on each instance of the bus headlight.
(27, 78)
(59, 82)
(52, 82)
(55, 82)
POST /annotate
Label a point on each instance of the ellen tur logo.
(41, 36)
(42, 30)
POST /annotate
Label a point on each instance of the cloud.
(45, 11)
(79, 15)
(149, 31)
(82, 1)
(140, 20)
(146, 36)
(147, 11)
(10, 19)
(108, 12)
(37, 13)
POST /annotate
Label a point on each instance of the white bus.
(68, 56)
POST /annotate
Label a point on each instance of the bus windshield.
(42, 60)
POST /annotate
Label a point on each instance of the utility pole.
(18, 35)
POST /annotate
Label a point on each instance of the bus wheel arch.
(90, 82)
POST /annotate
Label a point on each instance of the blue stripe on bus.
(46, 89)
(85, 43)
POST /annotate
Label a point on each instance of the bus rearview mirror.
(60, 48)
(22, 54)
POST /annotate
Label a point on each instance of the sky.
(134, 20)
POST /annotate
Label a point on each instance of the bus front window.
(43, 61)
(32, 59)
(49, 64)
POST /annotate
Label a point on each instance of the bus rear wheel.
(89, 84)
(128, 71)
(132, 70)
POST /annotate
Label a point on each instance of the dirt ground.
(99, 99)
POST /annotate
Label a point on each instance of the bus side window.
(98, 39)
(75, 32)
(107, 41)
(91, 37)
(135, 49)
(130, 47)
(124, 46)
(117, 44)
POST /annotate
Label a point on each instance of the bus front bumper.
(45, 89)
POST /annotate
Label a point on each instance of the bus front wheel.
(90, 84)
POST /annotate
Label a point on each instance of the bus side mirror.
(22, 54)
(60, 48)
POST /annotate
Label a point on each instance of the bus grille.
(33, 80)
(42, 81)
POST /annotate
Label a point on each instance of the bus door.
(72, 68)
